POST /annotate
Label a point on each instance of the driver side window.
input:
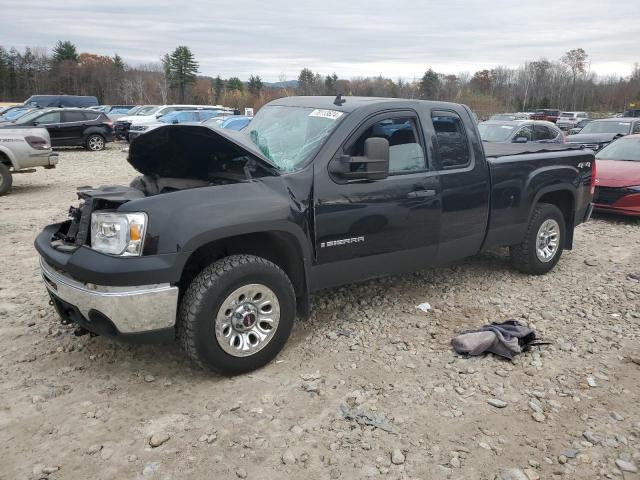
(48, 118)
(636, 127)
(405, 150)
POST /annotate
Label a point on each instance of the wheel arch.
(564, 198)
(280, 247)
(8, 158)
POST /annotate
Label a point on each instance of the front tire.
(236, 315)
(95, 142)
(543, 242)
(6, 179)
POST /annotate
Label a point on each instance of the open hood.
(191, 151)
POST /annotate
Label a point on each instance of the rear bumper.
(113, 311)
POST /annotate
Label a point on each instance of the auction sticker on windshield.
(330, 114)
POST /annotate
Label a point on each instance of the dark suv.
(70, 126)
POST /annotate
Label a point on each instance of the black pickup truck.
(225, 235)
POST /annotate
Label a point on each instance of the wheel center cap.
(249, 319)
(244, 318)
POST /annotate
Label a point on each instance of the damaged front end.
(94, 264)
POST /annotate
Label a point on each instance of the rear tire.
(236, 315)
(6, 179)
(95, 142)
(543, 242)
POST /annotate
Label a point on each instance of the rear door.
(371, 228)
(72, 127)
(464, 180)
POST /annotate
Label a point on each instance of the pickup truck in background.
(21, 150)
(225, 236)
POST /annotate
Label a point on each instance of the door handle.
(422, 194)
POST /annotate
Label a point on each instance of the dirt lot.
(79, 407)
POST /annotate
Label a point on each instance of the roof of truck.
(350, 103)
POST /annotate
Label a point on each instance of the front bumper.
(110, 310)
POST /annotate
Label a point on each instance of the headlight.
(118, 233)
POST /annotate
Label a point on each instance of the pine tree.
(183, 68)
(118, 63)
(218, 87)
(234, 83)
(430, 84)
(255, 85)
(65, 51)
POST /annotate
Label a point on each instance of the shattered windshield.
(288, 136)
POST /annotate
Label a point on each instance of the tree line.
(566, 83)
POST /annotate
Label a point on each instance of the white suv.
(568, 120)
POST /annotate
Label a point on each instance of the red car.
(546, 114)
(618, 177)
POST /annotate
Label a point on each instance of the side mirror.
(374, 165)
(174, 121)
(520, 140)
(158, 115)
(36, 123)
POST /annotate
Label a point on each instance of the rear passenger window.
(405, 151)
(68, 117)
(452, 144)
(544, 133)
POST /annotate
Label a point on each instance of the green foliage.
(235, 84)
(218, 89)
(65, 51)
(118, 63)
(182, 68)
(429, 85)
(330, 84)
(255, 85)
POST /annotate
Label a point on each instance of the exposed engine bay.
(171, 158)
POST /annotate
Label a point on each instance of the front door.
(51, 121)
(372, 228)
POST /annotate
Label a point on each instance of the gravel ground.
(369, 387)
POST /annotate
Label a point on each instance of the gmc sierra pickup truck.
(21, 150)
(225, 235)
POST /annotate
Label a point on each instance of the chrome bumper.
(131, 309)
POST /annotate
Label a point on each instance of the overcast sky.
(395, 38)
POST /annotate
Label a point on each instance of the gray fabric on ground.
(499, 338)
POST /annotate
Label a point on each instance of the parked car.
(176, 117)
(78, 101)
(618, 177)
(568, 120)
(579, 126)
(69, 126)
(600, 133)
(21, 150)
(226, 234)
(546, 114)
(503, 117)
(632, 112)
(14, 113)
(123, 124)
(520, 131)
(236, 122)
